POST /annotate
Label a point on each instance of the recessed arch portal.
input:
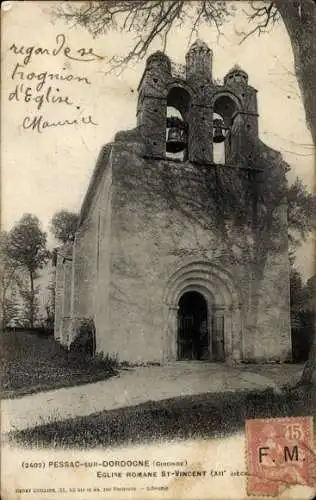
(223, 318)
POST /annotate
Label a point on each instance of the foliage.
(302, 297)
(48, 318)
(27, 249)
(10, 312)
(148, 19)
(30, 308)
(84, 342)
(152, 20)
(27, 244)
(111, 361)
(300, 212)
(298, 294)
(33, 361)
(50, 308)
(8, 283)
(310, 367)
(64, 225)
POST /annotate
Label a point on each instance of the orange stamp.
(279, 454)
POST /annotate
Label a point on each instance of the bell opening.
(225, 110)
(176, 135)
(219, 137)
(178, 106)
(219, 130)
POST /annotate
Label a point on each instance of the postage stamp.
(279, 453)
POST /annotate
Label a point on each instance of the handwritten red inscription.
(279, 454)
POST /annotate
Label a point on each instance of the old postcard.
(157, 261)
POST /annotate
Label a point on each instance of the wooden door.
(185, 339)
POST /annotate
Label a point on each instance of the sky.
(45, 172)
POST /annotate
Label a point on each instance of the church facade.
(181, 249)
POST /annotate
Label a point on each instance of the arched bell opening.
(178, 102)
(193, 330)
(225, 111)
(219, 132)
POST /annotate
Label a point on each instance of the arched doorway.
(221, 298)
(193, 334)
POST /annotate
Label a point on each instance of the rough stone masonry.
(181, 251)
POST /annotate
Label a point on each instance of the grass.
(32, 362)
(190, 417)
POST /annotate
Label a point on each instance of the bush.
(108, 361)
(84, 342)
(41, 331)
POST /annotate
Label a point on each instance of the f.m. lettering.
(263, 453)
(291, 455)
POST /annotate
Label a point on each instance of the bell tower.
(207, 114)
(152, 104)
(170, 259)
(199, 77)
(243, 123)
(199, 61)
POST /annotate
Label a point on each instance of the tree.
(153, 19)
(64, 225)
(50, 304)
(30, 304)
(299, 17)
(300, 210)
(8, 284)
(27, 249)
(150, 20)
(309, 368)
(302, 315)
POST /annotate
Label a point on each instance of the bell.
(175, 140)
(218, 135)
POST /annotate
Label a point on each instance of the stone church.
(181, 249)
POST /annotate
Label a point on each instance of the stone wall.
(159, 221)
(59, 297)
(273, 332)
(148, 219)
(63, 291)
(90, 251)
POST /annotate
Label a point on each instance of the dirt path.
(138, 385)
